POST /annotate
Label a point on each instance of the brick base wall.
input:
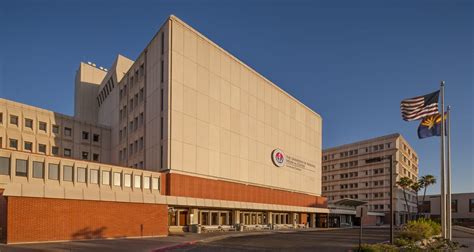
(196, 187)
(3, 217)
(40, 219)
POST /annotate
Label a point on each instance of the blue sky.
(350, 62)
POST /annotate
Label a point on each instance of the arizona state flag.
(430, 126)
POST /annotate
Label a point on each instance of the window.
(161, 129)
(141, 143)
(53, 171)
(55, 129)
(38, 169)
(106, 177)
(146, 182)
(155, 183)
(136, 100)
(454, 205)
(28, 146)
(55, 150)
(94, 176)
(137, 179)
(68, 173)
(28, 123)
(67, 131)
(85, 135)
(162, 71)
(43, 126)
(95, 138)
(117, 179)
(21, 168)
(13, 143)
(14, 120)
(85, 155)
(1, 118)
(67, 152)
(4, 166)
(471, 203)
(141, 95)
(162, 101)
(81, 175)
(141, 119)
(127, 180)
(95, 157)
(42, 148)
(140, 165)
(162, 43)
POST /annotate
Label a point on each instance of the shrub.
(401, 242)
(420, 229)
(379, 247)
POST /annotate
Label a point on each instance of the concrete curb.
(175, 246)
(464, 229)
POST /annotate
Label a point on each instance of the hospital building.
(183, 137)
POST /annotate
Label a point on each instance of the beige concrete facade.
(31, 129)
(462, 206)
(86, 88)
(226, 119)
(347, 175)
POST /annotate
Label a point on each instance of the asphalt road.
(320, 240)
(330, 240)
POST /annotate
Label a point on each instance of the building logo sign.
(278, 158)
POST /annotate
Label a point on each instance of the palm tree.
(405, 184)
(416, 187)
(426, 181)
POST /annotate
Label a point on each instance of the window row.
(106, 90)
(79, 174)
(28, 146)
(43, 126)
(134, 147)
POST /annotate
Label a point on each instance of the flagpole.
(448, 176)
(443, 186)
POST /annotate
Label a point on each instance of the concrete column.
(194, 212)
(313, 220)
(236, 215)
(269, 218)
(293, 219)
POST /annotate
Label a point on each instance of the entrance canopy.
(349, 202)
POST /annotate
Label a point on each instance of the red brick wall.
(40, 219)
(3, 216)
(189, 186)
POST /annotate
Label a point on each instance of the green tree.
(426, 181)
(405, 184)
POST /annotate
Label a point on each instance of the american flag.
(418, 107)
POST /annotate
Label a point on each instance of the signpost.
(360, 212)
